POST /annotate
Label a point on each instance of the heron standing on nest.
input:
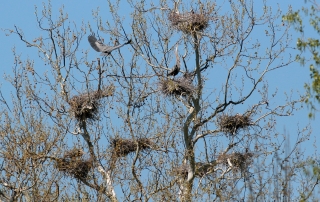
(99, 46)
(176, 69)
(175, 10)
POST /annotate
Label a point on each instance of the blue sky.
(21, 14)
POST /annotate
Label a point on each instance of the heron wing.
(174, 71)
(96, 45)
(108, 49)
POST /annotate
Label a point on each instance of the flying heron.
(99, 46)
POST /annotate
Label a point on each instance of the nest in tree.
(122, 147)
(73, 153)
(72, 164)
(76, 168)
(189, 22)
(231, 124)
(201, 169)
(85, 106)
(237, 159)
(181, 86)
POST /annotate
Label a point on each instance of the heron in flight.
(176, 69)
(99, 46)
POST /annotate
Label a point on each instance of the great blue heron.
(99, 46)
(176, 7)
(175, 70)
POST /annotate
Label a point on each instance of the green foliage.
(295, 19)
(302, 21)
(312, 171)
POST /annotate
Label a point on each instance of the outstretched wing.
(95, 44)
(100, 47)
(108, 49)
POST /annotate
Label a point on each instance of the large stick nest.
(201, 169)
(74, 165)
(189, 22)
(85, 106)
(237, 159)
(181, 86)
(231, 124)
(122, 147)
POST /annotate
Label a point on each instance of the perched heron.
(175, 70)
(100, 47)
(176, 8)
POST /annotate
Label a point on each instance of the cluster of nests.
(239, 162)
(122, 147)
(72, 163)
(85, 106)
(232, 124)
(177, 87)
(189, 22)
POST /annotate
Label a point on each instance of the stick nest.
(202, 169)
(237, 159)
(181, 86)
(74, 165)
(231, 124)
(122, 147)
(85, 106)
(189, 22)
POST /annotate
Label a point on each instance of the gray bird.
(176, 69)
(100, 47)
(176, 8)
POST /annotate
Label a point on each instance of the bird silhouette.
(99, 46)
(176, 69)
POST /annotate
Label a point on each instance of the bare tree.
(118, 128)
